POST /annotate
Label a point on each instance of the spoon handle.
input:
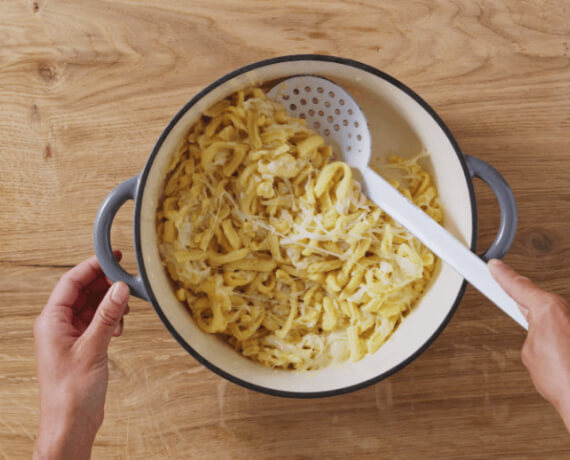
(440, 241)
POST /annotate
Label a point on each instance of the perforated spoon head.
(334, 114)
(330, 111)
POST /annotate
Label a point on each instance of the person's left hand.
(72, 335)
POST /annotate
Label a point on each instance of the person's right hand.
(546, 351)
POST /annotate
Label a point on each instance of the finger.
(67, 290)
(119, 329)
(80, 302)
(527, 294)
(100, 284)
(87, 275)
(87, 313)
(107, 317)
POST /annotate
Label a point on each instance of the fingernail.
(119, 293)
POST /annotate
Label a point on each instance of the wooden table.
(86, 87)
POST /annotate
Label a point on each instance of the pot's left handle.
(102, 236)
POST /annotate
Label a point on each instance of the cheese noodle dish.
(273, 246)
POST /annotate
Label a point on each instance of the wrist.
(63, 438)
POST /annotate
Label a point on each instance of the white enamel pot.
(400, 123)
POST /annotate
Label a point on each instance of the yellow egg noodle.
(276, 249)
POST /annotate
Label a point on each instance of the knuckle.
(107, 316)
(554, 302)
(521, 279)
(526, 355)
(65, 278)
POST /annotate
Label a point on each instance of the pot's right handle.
(508, 225)
(102, 236)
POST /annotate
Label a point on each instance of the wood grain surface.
(86, 88)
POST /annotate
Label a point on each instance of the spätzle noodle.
(276, 249)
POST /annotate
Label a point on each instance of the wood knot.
(35, 114)
(539, 241)
(47, 72)
(47, 152)
(317, 35)
(36, 7)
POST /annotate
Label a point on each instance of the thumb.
(527, 294)
(107, 317)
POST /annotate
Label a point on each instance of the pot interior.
(399, 125)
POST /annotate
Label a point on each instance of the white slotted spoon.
(332, 112)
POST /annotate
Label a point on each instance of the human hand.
(546, 351)
(72, 335)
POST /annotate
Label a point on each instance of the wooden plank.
(86, 89)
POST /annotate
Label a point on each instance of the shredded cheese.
(275, 248)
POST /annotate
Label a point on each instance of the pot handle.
(508, 225)
(102, 236)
